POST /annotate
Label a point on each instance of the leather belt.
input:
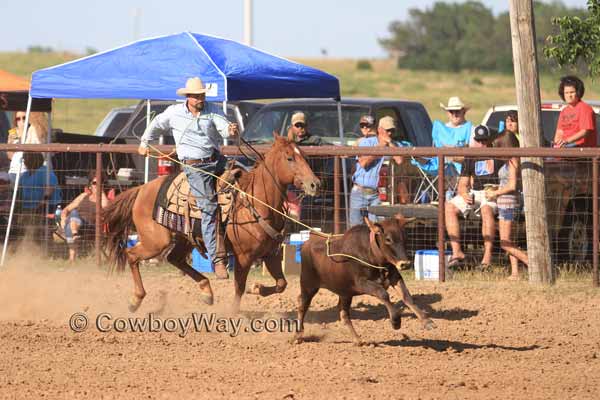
(213, 157)
(364, 189)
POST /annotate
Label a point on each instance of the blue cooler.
(132, 240)
(298, 244)
(427, 265)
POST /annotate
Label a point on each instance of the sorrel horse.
(284, 164)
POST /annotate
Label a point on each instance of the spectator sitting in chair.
(80, 214)
(36, 197)
(475, 174)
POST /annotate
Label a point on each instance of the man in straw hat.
(198, 133)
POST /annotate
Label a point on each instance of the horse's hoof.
(297, 340)
(207, 299)
(429, 325)
(134, 304)
(255, 289)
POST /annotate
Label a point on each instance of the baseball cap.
(367, 119)
(387, 122)
(298, 117)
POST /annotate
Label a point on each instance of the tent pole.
(147, 159)
(48, 160)
(344, 172)
(16, 188)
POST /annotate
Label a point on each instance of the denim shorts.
(508, 214)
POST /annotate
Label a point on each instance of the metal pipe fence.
(571, 190)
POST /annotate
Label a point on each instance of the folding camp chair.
(427, 190)
(429, 171)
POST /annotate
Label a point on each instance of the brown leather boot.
(221, 271)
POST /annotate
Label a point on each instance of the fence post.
(441, 219)
(336, 195)
(595, 282)
(98, 207)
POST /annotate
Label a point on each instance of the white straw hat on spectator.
(454, 104)
(192, 86)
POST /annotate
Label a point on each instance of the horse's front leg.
(241, 269)
(273, 264)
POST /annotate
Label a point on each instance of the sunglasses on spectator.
(299, 125)
(365, 125)
(391, 130)
(20, 119)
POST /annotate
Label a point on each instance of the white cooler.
(427, 265)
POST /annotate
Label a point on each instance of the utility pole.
(522, 27)
(248, 23)
(136, 13)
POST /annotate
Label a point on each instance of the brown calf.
(379, 244)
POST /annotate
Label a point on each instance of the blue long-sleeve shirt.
(195, 137)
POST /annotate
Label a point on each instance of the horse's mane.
(247, 178)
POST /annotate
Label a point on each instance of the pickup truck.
(413, 126)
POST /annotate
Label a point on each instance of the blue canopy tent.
(155, 68)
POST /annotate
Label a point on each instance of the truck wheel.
(576, 238)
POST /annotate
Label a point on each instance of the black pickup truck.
(413, 126)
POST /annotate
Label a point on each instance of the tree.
(452, 37)
(578, 41)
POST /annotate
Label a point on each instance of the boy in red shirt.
(576, 123)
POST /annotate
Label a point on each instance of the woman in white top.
(36, 134)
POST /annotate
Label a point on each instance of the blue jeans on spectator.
(72, 217)
(203, 187)
(359, 201)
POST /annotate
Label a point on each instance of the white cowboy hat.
(192, 86)
(454, 103)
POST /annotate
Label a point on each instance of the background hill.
(478, 89)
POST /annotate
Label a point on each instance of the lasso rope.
(328, 236)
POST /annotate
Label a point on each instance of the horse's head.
(289, 165)
(388, 238)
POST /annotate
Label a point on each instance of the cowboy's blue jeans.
(203, 187)
(358, 202)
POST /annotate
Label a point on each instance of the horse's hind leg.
(134, 255)
(178, 257)
(137, 253)
(273, 264)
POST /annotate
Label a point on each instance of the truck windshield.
(321, 119)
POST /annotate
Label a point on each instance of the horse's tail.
(119, 220)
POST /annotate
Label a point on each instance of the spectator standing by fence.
(576, 125)
(507, 198)
(36, 134)
(364, 191)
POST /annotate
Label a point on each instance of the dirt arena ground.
(493, 340)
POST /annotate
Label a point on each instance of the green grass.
(478, 89)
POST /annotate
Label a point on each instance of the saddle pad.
(179, 199)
